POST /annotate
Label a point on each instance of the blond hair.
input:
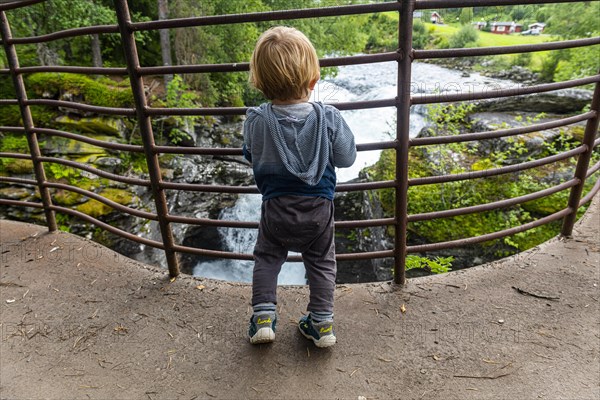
(283, 64)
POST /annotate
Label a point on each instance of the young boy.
(294, 147)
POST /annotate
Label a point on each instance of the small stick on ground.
(539, 296)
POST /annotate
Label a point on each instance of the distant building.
(504, 28)
(418, 14)
(436, 18)
(479, 25)
(539, 26)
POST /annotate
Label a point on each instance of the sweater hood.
(302, 144)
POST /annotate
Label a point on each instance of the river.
(352, 83)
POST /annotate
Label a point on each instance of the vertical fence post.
(137, 86)
(583, 163)
(402, 137)
(32, 140)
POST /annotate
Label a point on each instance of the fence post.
(32, 140)
(583, 163)
(137, 87)
(402, 137)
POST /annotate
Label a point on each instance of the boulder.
(565, 101)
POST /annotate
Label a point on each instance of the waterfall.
(247, 208)
(352, 83)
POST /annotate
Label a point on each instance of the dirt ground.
(79, 321)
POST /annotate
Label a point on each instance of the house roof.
(505, 24)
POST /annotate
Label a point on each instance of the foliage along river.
(352, 83)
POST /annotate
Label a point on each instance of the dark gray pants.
(304, 225)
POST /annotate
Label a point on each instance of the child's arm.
(342, 142)
(246, 148)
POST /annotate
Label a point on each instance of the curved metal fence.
(404, 56)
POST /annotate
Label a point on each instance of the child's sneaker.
(262, 328)
(321, 333)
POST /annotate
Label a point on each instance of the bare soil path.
(79, 321)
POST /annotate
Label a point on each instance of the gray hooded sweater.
(294, 149)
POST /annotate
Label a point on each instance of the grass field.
(488, 39)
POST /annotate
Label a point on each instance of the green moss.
(96, 92)
(13, 143)
(576, 132)
(120, 196)
(94, 125)
(16, 166)
(96, 209)
(66, 198)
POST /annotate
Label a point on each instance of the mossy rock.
(67, 198)
(93, 125)
(102, 92)
(15, 193)
(96, 209)
(576, 133)
(59, 145)
(17, 167)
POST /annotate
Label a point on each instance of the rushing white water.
(352, 83)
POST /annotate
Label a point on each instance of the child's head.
(284, 64)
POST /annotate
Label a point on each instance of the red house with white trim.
(504, 28)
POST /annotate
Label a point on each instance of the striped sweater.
(294, 149)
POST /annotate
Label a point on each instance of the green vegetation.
(437, 265)
(469, 157)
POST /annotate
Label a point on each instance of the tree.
(466, 15)
(47, 17)
(165, 38)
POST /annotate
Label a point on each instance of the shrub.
(466, 37)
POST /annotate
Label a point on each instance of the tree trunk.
(165, 39)
(96, 51)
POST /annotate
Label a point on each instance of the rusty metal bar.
(243, 256)
(492, 94)
(19, 156)
(254, 225)
(494, 205)
(18, 4)
(74, 70)
(403, 104)
(355, 105)
(67, 33)
(137, 87)
(335, 11)
(588, 197)
(497, 50)
(496, 171)
(433, 4)
(466, 137)
(195, 187)
(130, 112)
(229, 151)
(100, 143)
(593, 169)
(20, 181)
(107, 227)
(244, 66)
(583, 163)
(104, 200)
(17, 203)
(28, 125)
(490, 236)
(12, 129)
(9, 102)
(96, 171)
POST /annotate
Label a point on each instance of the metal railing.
(404, 56)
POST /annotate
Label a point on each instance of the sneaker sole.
(325, 341)
(263, 335)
